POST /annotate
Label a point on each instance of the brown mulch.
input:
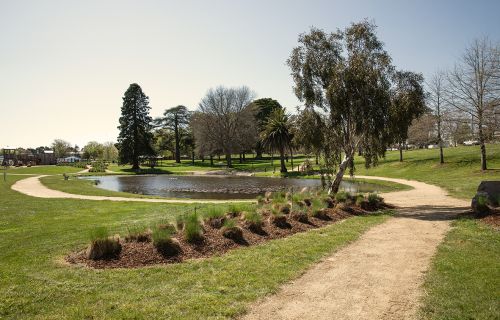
(139, 254)
(492, 219)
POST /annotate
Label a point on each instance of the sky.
(65, 65)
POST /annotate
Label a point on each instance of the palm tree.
(276, 134)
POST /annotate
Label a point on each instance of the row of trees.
(467, 97)
(93, 150)
(354, 101)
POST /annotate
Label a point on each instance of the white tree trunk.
(334, 188)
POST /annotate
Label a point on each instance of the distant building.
(21, 157)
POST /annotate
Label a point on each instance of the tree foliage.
(93, 150)
(277, 135)
(135, 138)
(262, 109)
(348, 75)
(177, 120)
(61, 148)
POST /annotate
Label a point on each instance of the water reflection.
(214, 187)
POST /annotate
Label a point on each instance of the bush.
(102, 246)
(285, 209)
(138, 233)
(278, 219)
(164, 243)
(193, 230)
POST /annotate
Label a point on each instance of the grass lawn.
(464, 282)
(460, 174)
(34, 282)
(41, 170)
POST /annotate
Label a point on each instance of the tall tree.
(223, 118)
(407, 104)
(61, 148)
(93, 150)
(276, 135)
(175, 119)
(436, 102)
(347, 74)
(263, 109)
(110, 152)
(135, 138)
(474, 85)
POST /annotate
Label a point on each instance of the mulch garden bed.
(139, 254)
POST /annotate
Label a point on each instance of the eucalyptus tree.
(135, 138)
(263, 109)
(407, 104)
(277, 135)
(308, 131)
(347, 74)
(474, 86)
(93, 150)
(175, 119)
(224, 120)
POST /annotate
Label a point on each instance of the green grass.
(460, 175)
(464, 282)
(35, 234)
(41, 170)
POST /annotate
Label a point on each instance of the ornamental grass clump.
(300, 215)
(253, 221)
(360, 199)
(231, 231)
(164, 243)
(278, 219)
(374, 200)
(102, 246)
(138, 233)
(214, 217)
(193, 231)
(341, 196)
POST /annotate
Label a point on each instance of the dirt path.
(378, 276)
(33, 187)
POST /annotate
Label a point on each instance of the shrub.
(164, 243)
(285, 209)
(320, 214)
(138, 233)
(102, 246)
(330, 203)
(193, 230)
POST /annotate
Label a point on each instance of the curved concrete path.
(379, 276)
(34, 188)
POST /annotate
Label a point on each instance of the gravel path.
(379, 276)
(33, 187)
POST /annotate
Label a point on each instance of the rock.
(492, 189)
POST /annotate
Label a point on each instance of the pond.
(214, 187)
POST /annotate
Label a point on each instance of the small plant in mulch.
(374, 199)
(180, 221)
(320, 214)
(138, 233)
(278, 219)
(164, 243)
(253, 221)
(285, 208)
(215, 217)
(341, 196)
(300, 215)
(329, 202)
(342, 206)
(193, 231)
(307, 202)
(231, 231)
(261, 200)
(102, 246)
(235, 210)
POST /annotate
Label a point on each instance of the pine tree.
(135, 138)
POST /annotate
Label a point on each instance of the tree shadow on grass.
(431, 213)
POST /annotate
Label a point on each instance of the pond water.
(214, 187)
